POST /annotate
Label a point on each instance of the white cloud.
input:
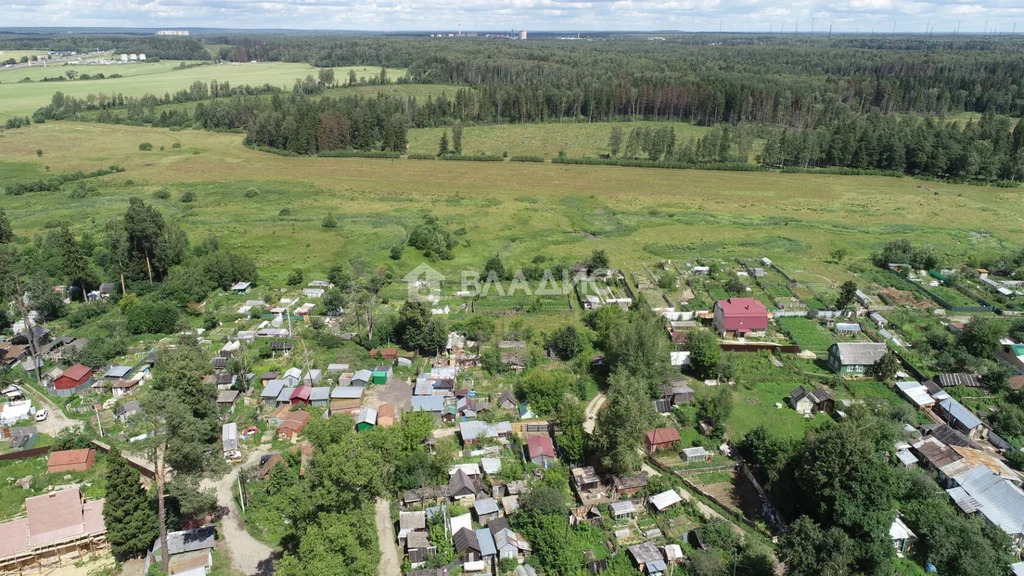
(571, 15)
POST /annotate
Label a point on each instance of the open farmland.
(23, 98)
(575, 139)
(517, 209)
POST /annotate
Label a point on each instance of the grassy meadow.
(518, 210)
(576, 139)
(23, 98)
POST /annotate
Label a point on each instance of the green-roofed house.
(380, 375)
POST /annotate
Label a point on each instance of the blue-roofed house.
(959, 417)
(432, 404)
(996, 499)
(271, 391)
(486, 541)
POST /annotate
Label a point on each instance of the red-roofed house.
(293, 423)
(71, 460)
(72, 381)
(301, 394)
(740, 316)
(541, 450)
(661, 439)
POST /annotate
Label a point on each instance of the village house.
(362, 378)
(1011, 354)
(434, 405)
(541, 450)
(271, 391)
(54, 524)
(126, 410)
(804, 402)
(661, 439)
(628, 486)
(190, 551)
(740, 316)
(902, 537)
(366, 419)
(475, 431)
(226, 400)
(994, 498)
(320, 396)
(665, 500)
(485, 510)
(854, 358)
(647, 558)
(124, 387)
(72, 381)
(959, 417)
(346, 399)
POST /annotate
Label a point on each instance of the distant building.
(855, 358)
(172, 32)
(522, 34)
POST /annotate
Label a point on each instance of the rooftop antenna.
(720, 25)
(797, 29)
(829, 30)
(812, 25)
(894, 27)
(460, 28)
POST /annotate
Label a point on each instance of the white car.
(41, 415)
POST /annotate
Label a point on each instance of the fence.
(757, 347)
(23, 454)
(942, 301)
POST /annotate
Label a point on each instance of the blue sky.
(446, 15)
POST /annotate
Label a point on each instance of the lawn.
(760, 387)
(808, 334)
(517, 210)
(576, 139)
(12, 498)
(23, 98)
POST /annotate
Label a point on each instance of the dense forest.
(852, 103)
(702, 79)
(165, 47)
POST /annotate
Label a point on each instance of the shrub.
(151, 317)
(295, 277)
(188, 196)
(39, 152)
(527, 158)
(162, 194)
(145, 147)
(176, 145)
(285, 212)
(421, 157)
(329, 221)
(252, 193)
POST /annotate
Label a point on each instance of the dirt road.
(389, 563)
(592, 409)
(248, 555)
(56, 422)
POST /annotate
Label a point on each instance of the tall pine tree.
(131, 522)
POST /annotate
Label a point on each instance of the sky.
(969, 16)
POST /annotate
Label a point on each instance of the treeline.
(53, 183)
(141, 110)
(165, 47)
(770, 80)
(989, 149)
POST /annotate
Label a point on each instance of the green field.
(808, 334)
(576, 139)
(21, 99)
(519, 210)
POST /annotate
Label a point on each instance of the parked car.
(41, 415)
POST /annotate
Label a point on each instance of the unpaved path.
(592, 409)
(248, 555)
(389, 563)
(56, 421)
